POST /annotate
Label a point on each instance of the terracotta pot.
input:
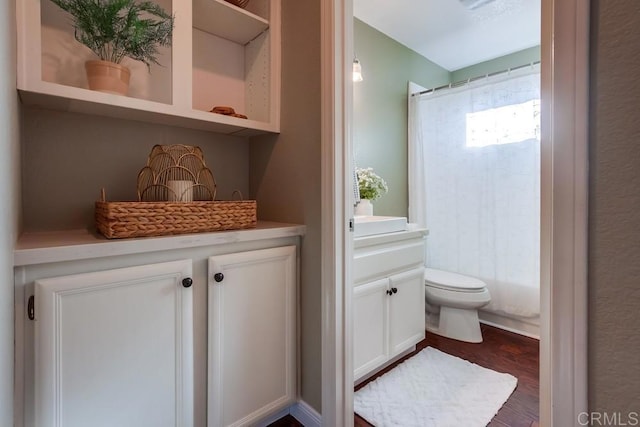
(109, 77)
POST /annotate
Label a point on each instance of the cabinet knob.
(389, 292)
(218, 277)
(187, 282)
(394, 290)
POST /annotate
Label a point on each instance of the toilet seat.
(454, 282)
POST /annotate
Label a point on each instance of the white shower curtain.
(475, 184)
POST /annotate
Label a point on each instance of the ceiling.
(449, 34)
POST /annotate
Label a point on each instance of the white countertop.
(69, 245)
(378, 239)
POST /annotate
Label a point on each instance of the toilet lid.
(446, 279)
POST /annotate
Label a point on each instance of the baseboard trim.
(305, 414)
(274, 417)
(300, 410)
(516, 326)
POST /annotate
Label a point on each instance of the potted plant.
(371, 186)
(115, 29)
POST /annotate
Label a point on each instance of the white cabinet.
(388, 298)
(220, 55)
(119, 340)
(115, 348)
(251, 363)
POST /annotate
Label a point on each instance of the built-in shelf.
(227, 21)
(221, 54)
(70, 245)
(78, 100)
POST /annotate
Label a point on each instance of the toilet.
(452, 303)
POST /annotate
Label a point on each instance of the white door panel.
(406, 310)
(251, 335)
(115, 348)
(370, 326)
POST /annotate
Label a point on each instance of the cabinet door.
(252, 330)
(406, 310)
(370, 330)
(115, 348)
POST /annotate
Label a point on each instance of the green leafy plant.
(113, 29)
(371, 186)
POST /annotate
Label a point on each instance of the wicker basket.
(239, 3)
(118, 220)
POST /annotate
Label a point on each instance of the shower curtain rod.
(473, 79)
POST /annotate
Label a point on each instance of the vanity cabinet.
(388, 298)
(176, 331)
(251, 335)
(115, 347)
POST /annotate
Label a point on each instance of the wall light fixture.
(357, 71)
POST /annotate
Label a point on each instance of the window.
(504, 125)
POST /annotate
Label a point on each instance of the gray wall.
(69, 157)
(285, 173)
(614, 208)
(9, 194)
(516, 59)
(380, 110)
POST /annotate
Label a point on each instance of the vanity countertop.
(378, 239)
(373, 225)
(57, 246)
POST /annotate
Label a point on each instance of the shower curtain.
(474, 183)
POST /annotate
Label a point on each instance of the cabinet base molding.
(301, 411)
(389, 362)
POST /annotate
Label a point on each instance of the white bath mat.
(434, 389)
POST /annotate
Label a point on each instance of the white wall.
(9, 185)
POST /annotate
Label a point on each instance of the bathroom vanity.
(388, 296)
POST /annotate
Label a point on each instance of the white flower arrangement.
(371, 186)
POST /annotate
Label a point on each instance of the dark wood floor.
(501, 351)
(287, 421)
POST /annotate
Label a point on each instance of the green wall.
(380, 109)
(513, 60)
(380, 104)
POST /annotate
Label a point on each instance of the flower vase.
(364, 208)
